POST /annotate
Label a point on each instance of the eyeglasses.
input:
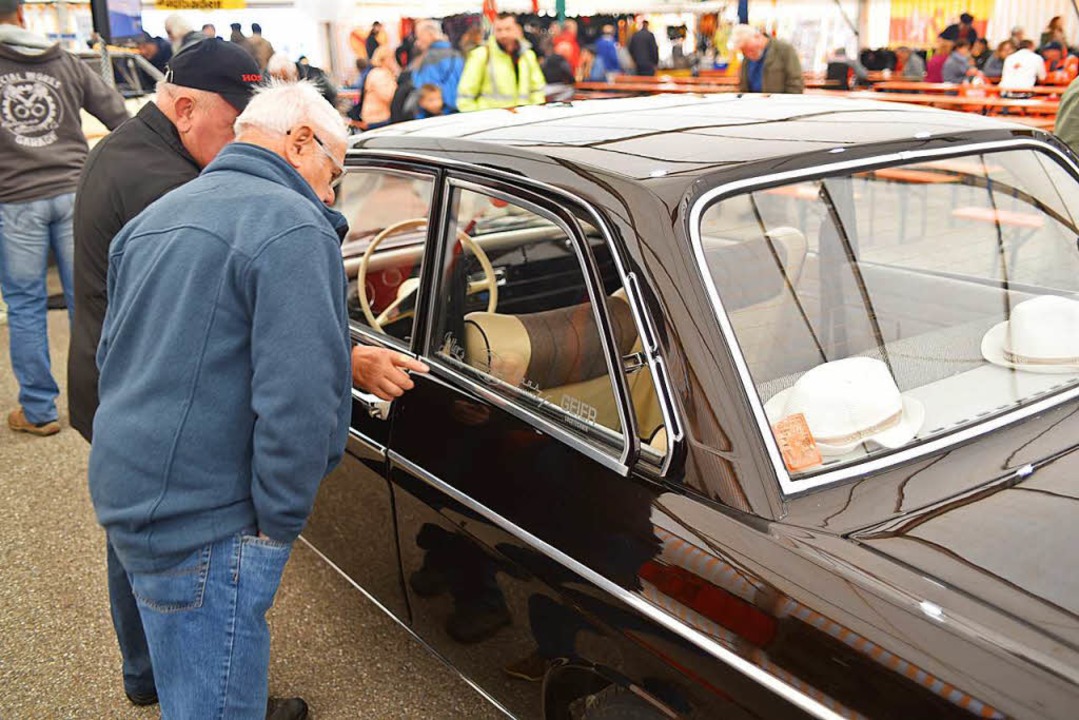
(338, 168)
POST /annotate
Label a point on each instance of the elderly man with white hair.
(180, 33)
(282, 68)
(224, 395)
(769, 65)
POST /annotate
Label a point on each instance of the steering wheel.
(408, 287)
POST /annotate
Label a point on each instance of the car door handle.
(375, 406)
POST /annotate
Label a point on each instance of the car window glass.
(513, 312)
(882, 308)
(388, 209)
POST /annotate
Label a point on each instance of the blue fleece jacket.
(441, 65)
(224, 358)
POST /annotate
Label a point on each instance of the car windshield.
(877, 309)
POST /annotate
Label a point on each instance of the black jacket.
(644, 51)
(132, 167)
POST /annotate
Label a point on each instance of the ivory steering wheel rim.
(490, 280)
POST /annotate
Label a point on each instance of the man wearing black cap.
(163, 147)
(963, 30)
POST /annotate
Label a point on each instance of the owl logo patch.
(30, 108)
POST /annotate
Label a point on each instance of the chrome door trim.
(423, 643)
(618, 385)
(776, 685)
(789, 487)
(456, 380)
(657, 366)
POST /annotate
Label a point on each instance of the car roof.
(685, 135)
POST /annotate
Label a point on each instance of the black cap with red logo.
(216, 66)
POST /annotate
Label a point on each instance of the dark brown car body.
(942, 586)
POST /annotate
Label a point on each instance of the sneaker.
(286, 709)
(531, 668)
(17, 421)
(476, 623)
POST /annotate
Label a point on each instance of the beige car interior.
(754, 295)
(558, 353)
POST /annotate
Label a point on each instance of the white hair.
(741, 34)
(176, 26)
(428, 25)
(280, 64)
(282, 105)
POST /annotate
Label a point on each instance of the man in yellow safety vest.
(503, 72)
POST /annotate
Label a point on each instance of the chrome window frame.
(450, 187)
(366, 331)
(788, 486)
(645, 326)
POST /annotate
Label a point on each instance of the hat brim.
(993, 351)
(894, 437)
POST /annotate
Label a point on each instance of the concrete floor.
(58, 653)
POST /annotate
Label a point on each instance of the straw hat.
(848, 402)
(1042, 336)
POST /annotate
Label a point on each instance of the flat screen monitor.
(117, 20)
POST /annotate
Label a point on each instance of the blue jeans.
(138, 670)
(205, 621)
(30, 229)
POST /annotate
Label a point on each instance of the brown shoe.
(17, 421)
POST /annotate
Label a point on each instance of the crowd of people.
(1017, 62)
(428, 75)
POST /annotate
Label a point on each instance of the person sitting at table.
(934, 69)
(959, 66)
(909, 64)
(980, 52)
(1054, 33)
(994, 66)
(1023, 69)
(1061, 67)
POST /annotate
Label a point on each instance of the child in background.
(430, 102)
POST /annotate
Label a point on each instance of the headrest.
(548, 349)
(748, 273)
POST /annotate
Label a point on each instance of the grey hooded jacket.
(42, 89)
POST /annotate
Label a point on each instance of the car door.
(352, 524)
(509, 461)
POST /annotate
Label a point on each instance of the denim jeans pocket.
(176, 589)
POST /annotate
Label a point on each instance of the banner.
(918, 22)
(200, 4)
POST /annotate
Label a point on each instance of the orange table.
(1038, 107)
(926, 87)
(632, 79)
(907, 177)
(1041, 123)
(653, 88)
(1017, 221)
(917, 177)
(1009, 218)
(962, 167)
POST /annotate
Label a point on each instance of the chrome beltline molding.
(791, 487)
(702, 641)
(409, 630)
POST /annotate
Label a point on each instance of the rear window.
(879, 309)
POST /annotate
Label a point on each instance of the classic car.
(738, 407)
